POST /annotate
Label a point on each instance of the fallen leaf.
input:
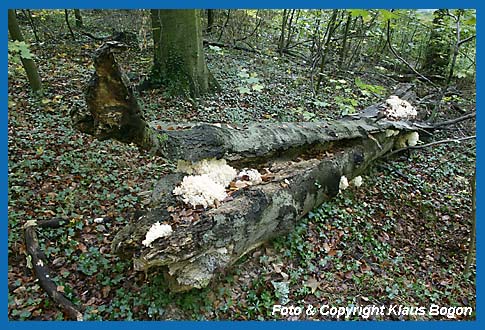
(312, 283)
(364, 267)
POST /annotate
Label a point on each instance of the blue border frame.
(233, 4)
(241, 4)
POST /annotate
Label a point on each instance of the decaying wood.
(39, 265)
(216, 238)
(113, 109)
(302, 163)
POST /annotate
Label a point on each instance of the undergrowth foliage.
(401, 238)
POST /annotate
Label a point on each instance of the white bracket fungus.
(344, 182)
(200, 190)
(216, 169)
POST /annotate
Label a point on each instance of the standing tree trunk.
(210, 19)
(343, 50)
(66, 17)
(178, 62)
(29, 64)
(331, 27)
(438, 51)
(28, 13)
(281, 41)
(79, 18)
(456, 47)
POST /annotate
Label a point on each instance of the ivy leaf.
(282, 291)
(252, 80)
(320, 103)
(244, 90)
(257, 87)
(308, 116)
(243, 74)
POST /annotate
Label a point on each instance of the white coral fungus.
(216, 169)
(200, 190)
(253, 176)
(357, 181)
(157, 230)
(398, 108)
(207, 181)
(344, 183)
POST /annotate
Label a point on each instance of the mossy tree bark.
(179, 64)
(28, 64)
(79, 18)
(438, 52)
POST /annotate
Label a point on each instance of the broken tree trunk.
(113, 112)
(303, 165)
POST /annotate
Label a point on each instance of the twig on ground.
(42, 272)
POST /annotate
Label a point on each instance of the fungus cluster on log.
(205, 216)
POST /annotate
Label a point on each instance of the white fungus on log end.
(156, 231)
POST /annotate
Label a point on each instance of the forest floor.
(400, 239)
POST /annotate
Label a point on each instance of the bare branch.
(456, 120)
(400, 58)
(466, 40)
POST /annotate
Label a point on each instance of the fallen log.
(303, 164)
(203, 242)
